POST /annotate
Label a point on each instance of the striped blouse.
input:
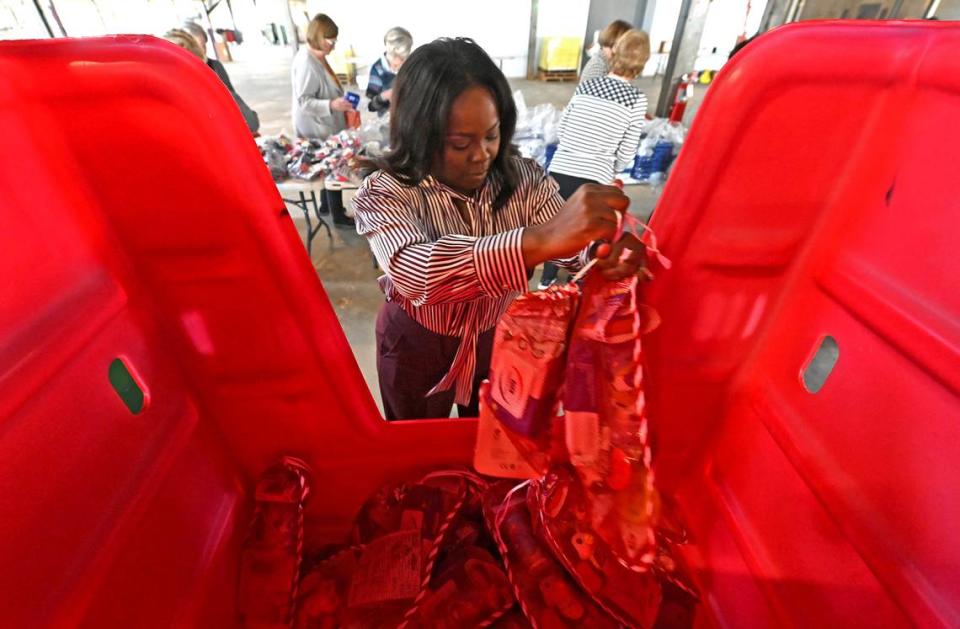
(454, 271)
(600, 129)
(595, 67)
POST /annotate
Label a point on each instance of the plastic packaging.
(660, 145)
(276, 155)
(536, 128)
(548, 596)
(632, 597)
(470, 589)
(272, 553)
(334, 159)
(324, 591)
(422, 558)
(527, 369)
(606, 426)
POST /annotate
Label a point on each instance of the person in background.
(599, 64)
(200, 35)
(397, 44)
(318, 103)
(186, 41)
(457, 220)
(740, 46)
(600, 128)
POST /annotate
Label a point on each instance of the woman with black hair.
(457, 221)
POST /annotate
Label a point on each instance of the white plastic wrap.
(536, 128)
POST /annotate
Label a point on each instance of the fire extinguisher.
(682, 93)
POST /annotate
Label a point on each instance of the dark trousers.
(332, 201)
(568, 185)
(411, 360)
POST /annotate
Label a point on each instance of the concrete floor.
(344, 263)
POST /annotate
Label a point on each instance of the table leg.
(302, 204)
(320, 220)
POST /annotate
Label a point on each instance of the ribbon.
(464, 366)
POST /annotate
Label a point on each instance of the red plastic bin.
(810, 200)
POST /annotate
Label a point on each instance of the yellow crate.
(341, 66)
(560, 53)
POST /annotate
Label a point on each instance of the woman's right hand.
(589, 215)
(340, 104)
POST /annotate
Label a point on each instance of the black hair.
(740, 46)
(428, 83)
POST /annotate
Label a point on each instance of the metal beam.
(639, 14)
(211, 35)
(532, 42)
(103, 22)
(774, 14)
(43, 18)
(294, 40)
(233, 20)
(683, 51)
(795, 11)
(56, 17)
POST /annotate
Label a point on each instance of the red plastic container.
(813, 198)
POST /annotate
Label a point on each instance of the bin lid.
(163, 339)
(805, 379)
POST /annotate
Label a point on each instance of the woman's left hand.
(622, 259)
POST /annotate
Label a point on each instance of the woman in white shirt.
(318, 102)
(601, 126)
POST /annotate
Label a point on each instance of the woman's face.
(396, 61)
(472, 141)
(327, 44)
(607, 52)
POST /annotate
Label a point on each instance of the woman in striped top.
(457, 220)
(599, 64)
(600, 128)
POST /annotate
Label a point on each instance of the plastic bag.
(548, 596)
(513, 620)
(421, 557)
(470, 589)
(533, 148)
(606, 427)
(660, 145)
(631, 597)
(272, 553)
(324, 591)
(527, 369)
(536, 128)
(334, 158)
(374, 135)
(401, 528)
(276, 155)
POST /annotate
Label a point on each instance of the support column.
(56, 17)
(683, 51)
(43, 18)
(775, 14)
(211, 35)
(532, 42)
(294, 39)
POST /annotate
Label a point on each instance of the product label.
(583, 438)
(389, 570)
(495, 454)
(517, 377)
